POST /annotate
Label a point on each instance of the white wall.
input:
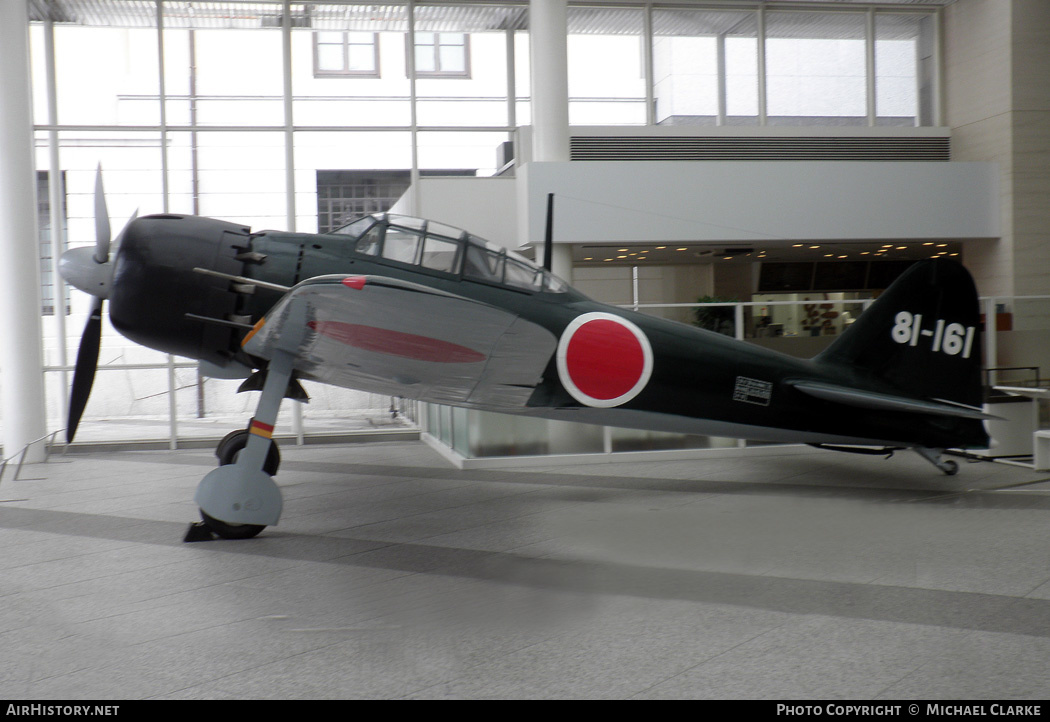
(486, 207)
(757, 201)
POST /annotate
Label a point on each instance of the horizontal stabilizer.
(886, 402)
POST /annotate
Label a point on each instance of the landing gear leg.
(239, 499)
(936, 457)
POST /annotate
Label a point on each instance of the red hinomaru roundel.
(604, 360)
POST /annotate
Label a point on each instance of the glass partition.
(816, 68)
(704, 63)
(349, 67)
(104, 76)
(904, 69)
(462, 76)
(186, 106)
(606, 66)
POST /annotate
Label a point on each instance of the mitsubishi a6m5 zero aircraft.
(406, 307)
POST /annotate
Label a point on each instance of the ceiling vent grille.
(609, 148)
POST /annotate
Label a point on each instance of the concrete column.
(998, 105)
(21, 359)
(548, 49)
(548, 43)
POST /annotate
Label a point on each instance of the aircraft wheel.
(231, 531)
(949, 467)
(227, 452)
(232, 444)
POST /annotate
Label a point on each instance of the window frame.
(436, 47)
(346, 72)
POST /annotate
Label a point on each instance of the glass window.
(554, 284)
(356, 228)
(400, 245)
(368, 243)
(522, 275)
(43, 207)
(442, 99)
(904, 70)
(440, 254)
(348, 69)
(347, 53)
(689, 48)
(741, 59)
(816, 68)
(606, 72)
(442, 54)
(440, 229)
(347, 194)
(408, 222)
(483, 263)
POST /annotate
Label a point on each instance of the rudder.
(921, 337)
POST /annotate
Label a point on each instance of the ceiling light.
(681, 249)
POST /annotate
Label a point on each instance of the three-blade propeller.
(90, 270)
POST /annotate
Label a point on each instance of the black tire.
(232, 444)
(231, 531)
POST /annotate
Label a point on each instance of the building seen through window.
(348, 53)
(442, 53)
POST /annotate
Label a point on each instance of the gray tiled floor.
(394, 575)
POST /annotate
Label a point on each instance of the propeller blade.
(84, 373)
(102, 231)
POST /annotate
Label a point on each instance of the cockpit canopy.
(438, 247)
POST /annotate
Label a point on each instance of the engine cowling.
(155, 286)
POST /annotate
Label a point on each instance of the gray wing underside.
(403, 339)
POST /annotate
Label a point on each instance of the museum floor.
(806, 575)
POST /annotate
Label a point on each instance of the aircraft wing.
(395, 337)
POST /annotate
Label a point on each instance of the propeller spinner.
(91, 271)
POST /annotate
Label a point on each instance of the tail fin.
(920, 338)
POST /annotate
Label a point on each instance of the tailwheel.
(227, 451)
(936, 457)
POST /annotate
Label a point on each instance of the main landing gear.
(240, 499)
